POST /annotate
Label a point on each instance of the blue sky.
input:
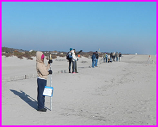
(127, 27)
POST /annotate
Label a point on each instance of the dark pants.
(40, 98)
(73, 67)
(70, 65)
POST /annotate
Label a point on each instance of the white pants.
(119, 58)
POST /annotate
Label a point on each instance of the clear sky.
(127, 27)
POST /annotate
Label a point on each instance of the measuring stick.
(50, 84)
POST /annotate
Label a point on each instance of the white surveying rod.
(50, 57)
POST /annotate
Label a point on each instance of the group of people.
(112, 57)
(107, 58)
(115, 56)
(42, 70)
(72, 58)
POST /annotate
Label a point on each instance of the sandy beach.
(117, 93)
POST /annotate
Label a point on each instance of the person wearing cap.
(70, 59)
(42, 72)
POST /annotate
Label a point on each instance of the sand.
(118, 93)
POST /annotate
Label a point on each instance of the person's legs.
(40, 98)
(96, 62)
(120, 58)
(104, 60)
(92, 63)
(73, 66)
(76, 66)
(69, 66)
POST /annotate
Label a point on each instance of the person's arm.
(48, 66)
(43, 70)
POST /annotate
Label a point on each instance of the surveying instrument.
(50, 58)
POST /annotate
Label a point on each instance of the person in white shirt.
(74, 59)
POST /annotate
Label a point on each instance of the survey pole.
(50, 57)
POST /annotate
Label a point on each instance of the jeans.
(93, 62)
(106, 59)
(40, 98)
(116, 58)
(96, 62)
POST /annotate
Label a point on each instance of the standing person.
(120, 55)
(106, 57)
(96, 60)
(42, 72)
(74, 59)
(117, 56)
(111, 56)
(76, 54)
(69, 58)
(93, 59)
(109, 59)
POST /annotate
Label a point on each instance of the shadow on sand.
(25, 97)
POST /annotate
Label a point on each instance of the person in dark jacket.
(70, 59)
(93, 59)
(96, 60)
(111, 56)
(120, 55)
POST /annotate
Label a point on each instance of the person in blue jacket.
(96, 60)
(93, 59)
(69, 58)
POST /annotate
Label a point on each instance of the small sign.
(48, 91)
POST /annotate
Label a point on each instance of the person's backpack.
(68, 56)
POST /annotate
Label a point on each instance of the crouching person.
(42, 72)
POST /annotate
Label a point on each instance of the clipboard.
(48, 91)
